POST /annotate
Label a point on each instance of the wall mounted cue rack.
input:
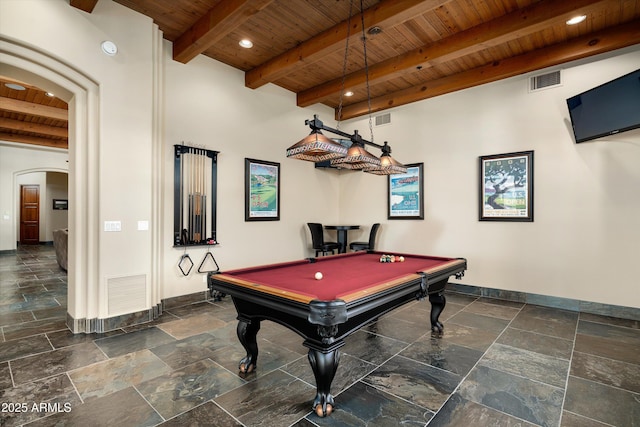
(194, 196)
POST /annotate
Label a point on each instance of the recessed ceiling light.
(49, 94)
(576, 20)
(15, 86)
(348, 93)
(246, 43)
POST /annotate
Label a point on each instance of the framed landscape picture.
(262, 190)
(405, 194)
(60, 204)
(506, 187)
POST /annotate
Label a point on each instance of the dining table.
(342, 235)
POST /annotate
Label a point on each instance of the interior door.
(29, 214)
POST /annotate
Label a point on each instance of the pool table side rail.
(240, 271)
(451, 265)
(268, 302)
(433, 275)
(295, 296)
(377, 289)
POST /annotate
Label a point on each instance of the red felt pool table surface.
(347, 277)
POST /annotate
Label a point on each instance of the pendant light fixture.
(388, 165)
(357, 156)
(316, 147)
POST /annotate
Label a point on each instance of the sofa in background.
(60, 240)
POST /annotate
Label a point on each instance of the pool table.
(356, 289)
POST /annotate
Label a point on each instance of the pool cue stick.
(203, 206)
(200, 171)
(204, 195)
(196, 197)
(193, 201)
(190, 195)
(187, 193)
(200, 205)
(182, 241)
(204, 217)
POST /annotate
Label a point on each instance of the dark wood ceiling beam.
(34, 140)
(213, 26)
(501, 30)
(592, 44)
(86, 5)
(24, 107)
(386, 13)
(22, 126)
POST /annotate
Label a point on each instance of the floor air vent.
(544, 81)
(127, 294)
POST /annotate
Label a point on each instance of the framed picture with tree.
(506, 187)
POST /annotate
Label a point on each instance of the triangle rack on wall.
(208, 256)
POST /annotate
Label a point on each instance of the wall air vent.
(545, 81)
(383, 119)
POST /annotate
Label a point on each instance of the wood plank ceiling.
(415, 49)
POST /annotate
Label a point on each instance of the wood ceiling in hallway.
(424, 48)
(30, 116)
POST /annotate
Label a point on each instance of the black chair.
(367, 246)
(317, 239)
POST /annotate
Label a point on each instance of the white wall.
(23, 164)
(208, 105)
(113, 169)
(205, 104)
(585, 237)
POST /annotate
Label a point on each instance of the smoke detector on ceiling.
(109, 48)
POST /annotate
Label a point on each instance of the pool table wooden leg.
(438, 301)
(247, 332)
(324, 365)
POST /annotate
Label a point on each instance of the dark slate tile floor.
(499, 363)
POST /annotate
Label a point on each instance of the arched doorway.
(29, 64)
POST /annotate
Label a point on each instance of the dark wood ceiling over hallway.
(416, 49)
(29, 115)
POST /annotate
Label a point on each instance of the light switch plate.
(112, 226)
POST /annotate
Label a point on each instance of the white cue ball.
(318, 275)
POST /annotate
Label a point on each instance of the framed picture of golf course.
(261, 190)
(405, 193)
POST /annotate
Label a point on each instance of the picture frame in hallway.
(506, 187)
(261, 190)
(405, 193)
(60, 204)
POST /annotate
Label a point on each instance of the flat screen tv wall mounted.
(608, 109)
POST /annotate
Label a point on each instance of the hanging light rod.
(317, 147)
(316, 124)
